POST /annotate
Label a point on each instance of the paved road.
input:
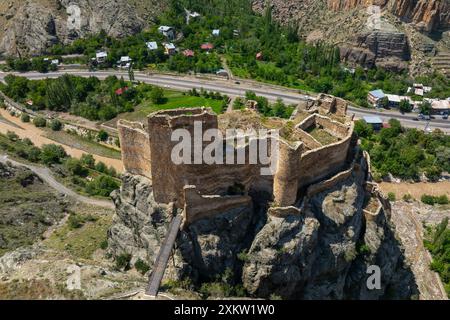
(46, 175)
(232, 89)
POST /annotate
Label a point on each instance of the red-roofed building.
(188, 53)
(207, 46)
(120, 91)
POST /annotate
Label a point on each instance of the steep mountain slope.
(371, 32)
(29, 26)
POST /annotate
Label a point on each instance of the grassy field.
(322, 136)
(82, 234)
(27, 208)
(174, 99)
(78, 142)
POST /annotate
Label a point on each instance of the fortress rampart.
(204, 189)
(136, 148)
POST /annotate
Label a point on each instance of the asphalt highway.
(233, 89)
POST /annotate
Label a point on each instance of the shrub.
(56, 125)
(102, 135)
(52, 153)
(39, 122)
(430, 200)
(104, 245)
(391, 196)
(88, 160)
(12, 136)
(407, 197)
(74, 167)
(442, 199)
(157, 95)
(141, 266)
(25, 117)
(102, 186)
(427, 199)
(123, 261)
(101, 167)
(75, 221)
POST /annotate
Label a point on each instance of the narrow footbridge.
(163, 256)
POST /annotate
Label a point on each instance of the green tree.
(55, 125)
(88, 160)
(52, 154)
(25, 117)
(405, 106)
(39, 121)
(102, 135)
(157, 95)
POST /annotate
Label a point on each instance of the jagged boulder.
(281, 256)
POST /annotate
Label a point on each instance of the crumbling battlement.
(300, 162)
(198, 206)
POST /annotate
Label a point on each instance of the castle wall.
(307, 139)
(328, 104)
(135, 147)
(168, 177)
(325, 161)
(333, 127)
(197, 206)
(285, 185)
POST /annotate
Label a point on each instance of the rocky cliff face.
(406, 30)
(320, 250)
(31, 26)
(428, 15)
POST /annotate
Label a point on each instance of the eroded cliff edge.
(318, 249)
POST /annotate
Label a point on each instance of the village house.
(168, 32)
(375, 96)
(101, 56)
(394, 100)
(259, 56)
(419, 89)
(441, 107)
(152, 45)
(374, 121)
(216, 32)
(207, 46)
(188, 53)
(169, 49)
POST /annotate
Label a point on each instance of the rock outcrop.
(319, 249)
(31, 26)
(407, 32)
(427, 15)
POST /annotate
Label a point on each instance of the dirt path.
(36, 135)
(46, 175)
(416, 189)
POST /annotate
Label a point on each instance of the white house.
(216, 32)
(152, 45)
(101, 56)
(55, 62)
(419, 89)
(168, 32)
(169, 48)
(124, 62)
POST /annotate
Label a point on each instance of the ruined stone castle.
(203, 190)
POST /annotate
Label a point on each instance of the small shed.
(374, 121)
